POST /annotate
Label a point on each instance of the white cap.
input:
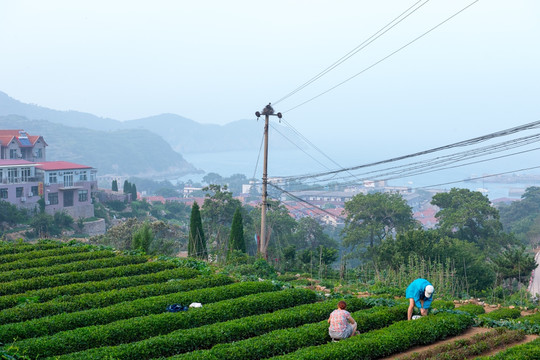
(429, 290)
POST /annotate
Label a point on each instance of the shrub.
(395, 338)
(55, 260)
(153, 325)
(82, 302)
(528, 351)
(74, 266)
(92, 287)
(17, 286)
(182, 341)
(15, 248)
(500, 314)
(472, 309)
(41, 253)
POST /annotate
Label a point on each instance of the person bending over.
(420, 293)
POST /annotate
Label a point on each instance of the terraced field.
(72, 301)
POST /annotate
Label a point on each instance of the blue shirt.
(417, 290)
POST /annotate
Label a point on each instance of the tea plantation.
(75, 301)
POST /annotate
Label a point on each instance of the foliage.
(116, 205)
(186, 340)
(70, 304)
(197, 241)
(142, 238)
(515, 263)
(114, 186)
(523, 217)
(372, 217)
(236, 238)
(140, 328)
(392, 339)
(92, 287)
(527, 351)
(468, 215)
(11, 214)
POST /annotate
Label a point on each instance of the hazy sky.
(220, 61)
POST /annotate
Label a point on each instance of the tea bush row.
(143, 327)
(14, 248)
(153, 305)
(40, 282)
(90, 301)
(181, 341)
(288, 340)
(92, 287)
(56, 260)
(393, 339)
(83, 265)
(499, 314)
(530, 324)
(42, 253)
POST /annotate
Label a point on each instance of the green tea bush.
(90, 301)
(139, 328)
(56, 260)
(126, 310)
(14, 248)
(472, 309)
(499, 314)
(18, 286)
(92, 287)
(73, 266)
(41, 254)
(284, 341)
(182, 341)
(384, 342)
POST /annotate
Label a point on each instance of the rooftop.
(60, 165)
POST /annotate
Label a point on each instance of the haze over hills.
(184, 135)
(134, 152)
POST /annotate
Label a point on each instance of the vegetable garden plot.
(182, 341)
(528, 351)
(107, 298)
(93, 287)
(139, 328)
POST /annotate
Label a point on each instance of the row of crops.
(73, 301)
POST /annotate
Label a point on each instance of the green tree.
(468, 215)
(142, 238)
(523, 217)
(196, 242)
(114, 185)
(370, 218)
(127, 187)
(236, 238)
(310, 234)
(515, 263)
(213, 178)
(133, 192)
(217, 213)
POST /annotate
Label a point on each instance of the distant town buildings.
(26, 176)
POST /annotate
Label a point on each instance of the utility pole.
(262, 246)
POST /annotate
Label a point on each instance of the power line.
(357, 49)
(463, 143)
(383, 59)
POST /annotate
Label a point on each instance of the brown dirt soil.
(467, 334)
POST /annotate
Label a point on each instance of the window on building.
(83, 176)
(12, 175)
(53, 198)
(12, 153)
(19, 192)
(25, 174)
(83, 195)
(68, 198)
(39, 153)
(34, 190)
(3, 193)
(68, 178)
(53, 178)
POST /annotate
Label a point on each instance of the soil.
(467, 334)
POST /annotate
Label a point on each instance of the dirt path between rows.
(467, 334)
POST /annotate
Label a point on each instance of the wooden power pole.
(262, 246)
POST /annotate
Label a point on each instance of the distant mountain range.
(184, 135)
(143, 147)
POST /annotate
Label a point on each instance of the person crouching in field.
(419, 293)
(342, 325)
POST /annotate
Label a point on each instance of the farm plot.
(113, 306)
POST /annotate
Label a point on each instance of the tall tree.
(133, 192)
(142, 238)
(236, 238)
(196, 242)
(114, 185)
(371, 217)
(468, 215)
(127, 187)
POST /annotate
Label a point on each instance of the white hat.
(429, 290)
